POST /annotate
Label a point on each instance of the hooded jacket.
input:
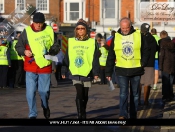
(145, 52)
(167, 55)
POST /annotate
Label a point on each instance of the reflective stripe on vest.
(13, 53)
(81, 54)
(40, 43)
(3, 55)
(157, 39)
(127, 49)
(103, 57)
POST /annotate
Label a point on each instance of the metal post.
(103, 10)
(151, 23)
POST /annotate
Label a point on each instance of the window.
(74, 10)
(108, 8)
(1, 6)
(109, 12)
(42, 6)
(20, 5)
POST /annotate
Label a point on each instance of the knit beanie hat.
(145, 27)
(82, 22)
(39, 17)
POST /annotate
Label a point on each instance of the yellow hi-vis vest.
(103, 57)
(40, 43)
(3, 55)
(81, 55)
(157, 39)
(127, 50)
(13, 53)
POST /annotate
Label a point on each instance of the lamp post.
(103, 14)
(151, 23)
(103, 18)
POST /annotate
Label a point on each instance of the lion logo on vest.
(79, 61)
(127, 50)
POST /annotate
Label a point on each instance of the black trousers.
(102, 76)
(16, 73)
(58, 72)
(167, 85)
(82, 92)
(3, 75)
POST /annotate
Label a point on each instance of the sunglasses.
(80, 28)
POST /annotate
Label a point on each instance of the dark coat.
(167, 55)
(151, 41)
(145, 52)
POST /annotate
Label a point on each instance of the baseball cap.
(145, 27)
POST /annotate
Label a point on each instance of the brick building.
(101, 15)
(20, 11)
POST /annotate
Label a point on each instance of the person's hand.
(108, 78)
(54, 71)
(95, 77)
(28, 53)
(63, 76)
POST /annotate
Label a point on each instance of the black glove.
(53, 51)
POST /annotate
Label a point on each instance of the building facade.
(104, 15)
(101, 15)
(20, 11)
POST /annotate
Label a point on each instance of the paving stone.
(172, 116)
(166, 115)
(171, 130)
(62, 105)
(164, 130)
(169, 114)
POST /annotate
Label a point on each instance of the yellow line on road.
(148, 113)
(141, 112)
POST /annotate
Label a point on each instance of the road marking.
(141, 112)
(153, 102)
(149, 111)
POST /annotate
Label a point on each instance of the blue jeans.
(167, 85)
(124, 82)
(34, 82)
